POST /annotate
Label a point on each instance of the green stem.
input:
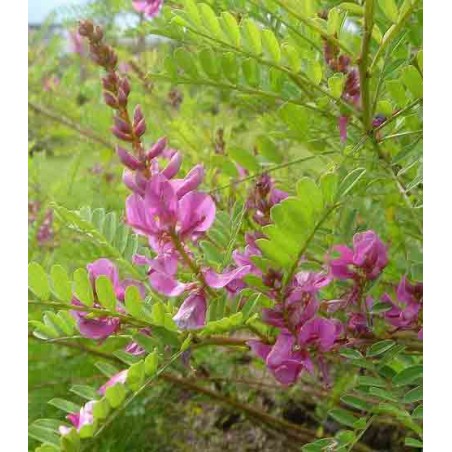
(98, 311)
(364, 75)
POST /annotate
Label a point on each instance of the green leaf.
(320, 445)
(334, 21)
(210, 20)
(44, 435)
(357, 403)
(252, 36)
(43, 331)
(415, 395)
(350, 353)
(49, 424)
(379, 348)
(418, 412)
(412, 80)
(384, 107)
(192, 12)
(211, 252)
(151, 363)
(296, 117)
(314, 71)
(389, 9)
(251, 72)
(135, 375)
(105, 293)
(268, 149)
(310, 194)
(38, 281)
(186, 62)
(48, 448)
(352, 8)
(64, 405)
(397, 92)
(230, 28)
(343, 417)
(420, 60)
(115, 395)
(209, 63)
(378, 308)
(271, 45)
(87, 392)
(413, 442)
(383, 394)
(336, 85)
(55, 321)
(87, 431)
(370, 381)
(230, 67)
(328, 184)
(293, 58)
(350, 181)
(244, 158)
(106, 368)
(408, 376)
(133, 302)
(101, 408)
(61, 283)
(83, 289)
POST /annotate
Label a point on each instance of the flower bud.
(140, 128)
(125, 85)
(122, 125)
(173, 166)
(85, 28)
(122, 98)
(110, 99)
(128, 159)
(121, 135)
(138, 114)
(97, 34)
(157, 148)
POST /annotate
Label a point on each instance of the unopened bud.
(137, 114)
(124, 84)
(122, 125)
(110, 99)
(121, 135)
(85, 28)
(140, 128)
(158, 147)
(128, 159)
(97, 34)
(122, 98)
(173, 166)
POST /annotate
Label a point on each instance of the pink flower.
(149, 8)
(160, 212)
(51, 83)
(78, 420)
(192, 313)
(283, 359)
(367, 259)
(404, 313)
(323, 333)
(102, 327)
(120, 377)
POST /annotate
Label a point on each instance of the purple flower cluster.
(45, 233)
(352, 91)
(262, 198)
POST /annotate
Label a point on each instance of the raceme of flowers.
(173, 215)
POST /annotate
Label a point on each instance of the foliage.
(294, 242)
